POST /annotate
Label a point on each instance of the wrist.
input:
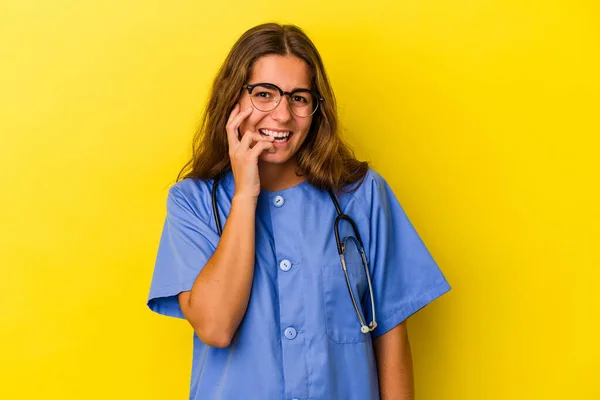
(244, 200)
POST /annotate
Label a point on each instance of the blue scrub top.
(300, 337)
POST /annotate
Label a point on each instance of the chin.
(274, 158)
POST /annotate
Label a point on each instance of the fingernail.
(248, 109)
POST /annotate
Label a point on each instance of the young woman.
(293, 262)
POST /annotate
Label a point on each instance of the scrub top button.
(285, 265)
(290, 333)
(278, 201)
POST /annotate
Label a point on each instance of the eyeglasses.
(266, 97)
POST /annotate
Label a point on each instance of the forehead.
(287, 72)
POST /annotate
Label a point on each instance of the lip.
(276, 130)
(275, 143)
(284, 144)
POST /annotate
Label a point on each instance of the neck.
(274, 177)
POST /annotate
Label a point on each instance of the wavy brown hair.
(325, 160)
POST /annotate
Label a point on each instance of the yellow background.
(482, 115)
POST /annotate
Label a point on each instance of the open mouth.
(280, 137)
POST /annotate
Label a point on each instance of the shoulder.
(190, 187)
(371, 188)
(371, 195)
(190, 196)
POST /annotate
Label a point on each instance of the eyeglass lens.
(266, 98)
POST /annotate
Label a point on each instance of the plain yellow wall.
(482, 115)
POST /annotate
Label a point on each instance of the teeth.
(275, 134)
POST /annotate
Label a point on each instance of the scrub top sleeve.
(405, 276)
(186, 244)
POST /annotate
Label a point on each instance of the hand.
(244, 153)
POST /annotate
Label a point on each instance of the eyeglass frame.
(317, 96)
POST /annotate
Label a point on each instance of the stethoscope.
(341, 245)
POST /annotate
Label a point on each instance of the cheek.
(250, 122)
(245, 102)
(304, 125)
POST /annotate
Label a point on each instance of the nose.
(282, 112)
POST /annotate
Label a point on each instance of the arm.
(394, 364)
(219, 297)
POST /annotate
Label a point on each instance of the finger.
(257, 150)
(236, 120)
(234, 124)
(235, 111)
(250, 137)
(232, 136)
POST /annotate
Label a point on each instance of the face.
(288, 73)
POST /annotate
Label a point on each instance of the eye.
(264, 95)
(300, 99)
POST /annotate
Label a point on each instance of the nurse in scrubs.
(274, 314)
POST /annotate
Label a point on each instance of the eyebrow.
(269, 83)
